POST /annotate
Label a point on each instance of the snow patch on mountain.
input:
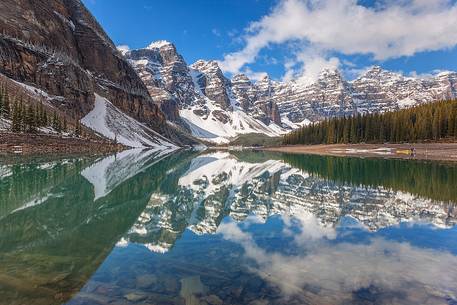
(210, 128)
(5, 124)
(407, 102)
(112, 123)
(5, 171)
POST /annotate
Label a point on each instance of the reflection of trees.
(24, 183)
(428, 179)
(49, 251)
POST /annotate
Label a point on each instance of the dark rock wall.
(59, 47)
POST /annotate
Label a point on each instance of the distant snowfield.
(211, 129)
(109, 121)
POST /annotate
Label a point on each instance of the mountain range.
(151, 97)
(217, 108)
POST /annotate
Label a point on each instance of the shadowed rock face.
(213, 82)
(58, 46)
(166, 76)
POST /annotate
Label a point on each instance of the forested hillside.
(22, 111)
(428, 122)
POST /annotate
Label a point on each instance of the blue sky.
(292, 39)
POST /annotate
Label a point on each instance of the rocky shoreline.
(410, 151)
(40, 144)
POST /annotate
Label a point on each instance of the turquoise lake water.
(217, 228)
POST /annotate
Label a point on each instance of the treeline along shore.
(425, 132)
(429, 122)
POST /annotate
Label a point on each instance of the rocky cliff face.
(165, 75)
(58, 47)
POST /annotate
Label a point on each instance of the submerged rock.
(190, 287)
(135, 296)
(146, 280)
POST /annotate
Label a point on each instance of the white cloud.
(254, 75)
(310, 227)
(389, 29)
(336, 270)
(307, 64)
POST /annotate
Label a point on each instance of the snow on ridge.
(158, 44)
(407, 102)
(5, 171)
(124, 49)
(112, 123)
(36, 91)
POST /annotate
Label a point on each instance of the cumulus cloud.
(307, 64)
(386, 30)
(254, 75)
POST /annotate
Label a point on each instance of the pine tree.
(16, 119)
(30, 119)
(1, 99)
(44, 118)
(436, 132)
(22, 115)
(346, 131)
(56, 124)
(6, 104)
(78, 129)
(353, 133)
(65, 124)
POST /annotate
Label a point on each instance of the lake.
(142, 227)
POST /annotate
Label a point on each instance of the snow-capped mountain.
(215, 108)
(200, 98)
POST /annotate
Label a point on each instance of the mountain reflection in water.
(143, 227)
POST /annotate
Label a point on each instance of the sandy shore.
(423, 151)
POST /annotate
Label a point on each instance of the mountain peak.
(206, 66)
(328, 72)
(159, 44)
(376, 72)
(240, 78)
(265, 79)
(376, 68)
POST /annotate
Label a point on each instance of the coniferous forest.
(27, 116)
(428, 122)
